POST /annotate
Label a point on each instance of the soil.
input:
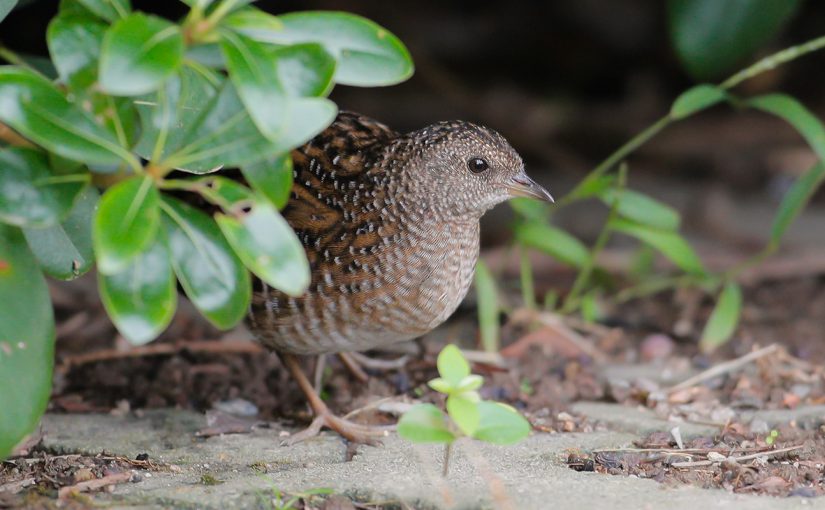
(196, 367)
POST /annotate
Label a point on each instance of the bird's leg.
(354, 432)
(356, 362)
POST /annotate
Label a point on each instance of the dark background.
(567, 82)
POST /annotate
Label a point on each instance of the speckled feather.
(390, 224)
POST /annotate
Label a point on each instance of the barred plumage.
(390, 224)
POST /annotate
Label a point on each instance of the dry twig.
(724, 368)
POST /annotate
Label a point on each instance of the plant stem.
(772, 61)
(447, 448)
(571, 302)
(528, 292)
(12, 138)
(623, 151)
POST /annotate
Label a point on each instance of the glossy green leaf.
(553, 241)
(64, 250)
(256, 79)
(795, 200)
(5, 8)
(226, 136)
(210, 273)
(712, 38)
(797, 115)
(267, 245)
(464, 413)
(642, 208)
(141, 298)
(74, 45)
(33, 106)
(425, 423)
(126, 223)
(724, 318)
(367, 54)
(170, 114)
(500, 424)
(139, 53)
(110, 10)
(271, 177)
(452, 366)
(31, 195)
(488, 308)
(305, 70)
(696, 99)
(668, 243)
(26, 340)
(470, 383)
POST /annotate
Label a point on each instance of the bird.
(390, 226)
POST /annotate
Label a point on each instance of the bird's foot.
(355, 432)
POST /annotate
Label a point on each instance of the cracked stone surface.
(529, 475)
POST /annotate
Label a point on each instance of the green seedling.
(771, 439)
(467, 414)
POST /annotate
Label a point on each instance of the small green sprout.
(467, 414)
(771, 439)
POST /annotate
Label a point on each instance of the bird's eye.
(478, 165)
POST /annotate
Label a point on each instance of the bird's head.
(471, 168)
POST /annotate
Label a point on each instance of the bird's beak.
(523, 186)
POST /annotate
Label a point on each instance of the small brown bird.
(390, 224)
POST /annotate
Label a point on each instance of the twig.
(215, 347)
(724, 368)
(97, 483)
(743, 458)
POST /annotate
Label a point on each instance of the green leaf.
(210, 273)
(32, 105)
(30, 194)
(441, 385)
(697, 99)
(225, 135)
(110, 10)
(530, 208)
(367, 54)
(500, 424)
(26, 340)
(797, 115)
(305, 70)
(64, 251)
(74, 45)
(487, 307)
(139, 53)
(668, 243)
(256, 79)
(425, 423)
(724, 318)
(553, 241)
(170, 114)
(593, 186)
(274, 258)
(464, 412)
(642, 208)
(5, 8)
(712, 38)
(141, 298)
(452, 366)
(126, 223)
(470, 383)
(267, 245)
(795, 200)
(271, 177)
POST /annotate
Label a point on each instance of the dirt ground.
(546, 364)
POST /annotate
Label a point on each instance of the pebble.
(236, 407)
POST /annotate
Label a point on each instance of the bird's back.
(384, 269)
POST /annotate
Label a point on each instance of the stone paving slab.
(530, 475)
